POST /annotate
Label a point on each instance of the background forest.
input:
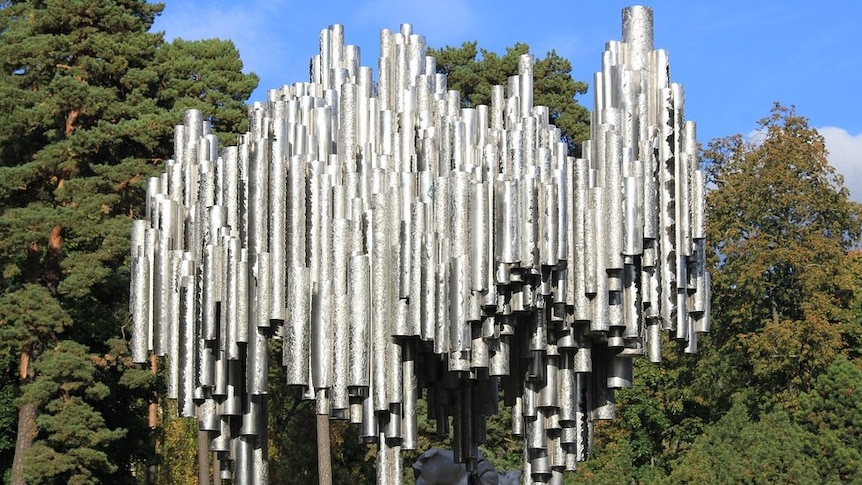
(88, 100)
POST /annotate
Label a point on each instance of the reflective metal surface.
(398, 245)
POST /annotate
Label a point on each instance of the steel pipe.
(355, 223)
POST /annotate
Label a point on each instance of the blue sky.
(734, 57)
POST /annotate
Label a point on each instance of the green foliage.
(29, 315)
(351, 460)
(88, 101)
(293, 437)
(73, 436)
(819, 442)
(851, 331)
(178, 441)
(206, 75)
(293, 444)
(474, 72)
(611, 466)
(780, 219)
(429, 434)
(770, 396)
(292, 430)
(780, 224)
(293, 454)
(832, 412)
(660, 413)
(8, 395)
(126, 405)
(738, 449)
(503, 449)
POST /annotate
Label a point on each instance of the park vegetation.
(89, 97)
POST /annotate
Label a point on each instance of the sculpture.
(397, 242)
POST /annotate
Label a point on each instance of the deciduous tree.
(780, 224)
(785, 310)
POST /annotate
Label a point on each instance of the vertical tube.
(296, 330)
(141, 294)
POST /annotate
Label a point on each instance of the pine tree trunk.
(324, 465)
(26, 424)
(49, 276)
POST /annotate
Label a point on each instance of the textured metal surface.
(396, 242)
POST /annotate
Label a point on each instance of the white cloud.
(845, 154)
(756, 136)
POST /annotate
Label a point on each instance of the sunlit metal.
(396, 243)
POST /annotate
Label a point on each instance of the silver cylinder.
(296, 329)
(353, 224)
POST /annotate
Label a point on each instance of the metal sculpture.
(399, 243)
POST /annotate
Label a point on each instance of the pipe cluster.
(399, 244)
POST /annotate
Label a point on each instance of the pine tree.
(473, 72)
(88, 101)
(75, 436)
(832, 411)
(205, 75)
(739, 449)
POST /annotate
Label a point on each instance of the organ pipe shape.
(140, 295)
(394, 240)
(296, 327)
